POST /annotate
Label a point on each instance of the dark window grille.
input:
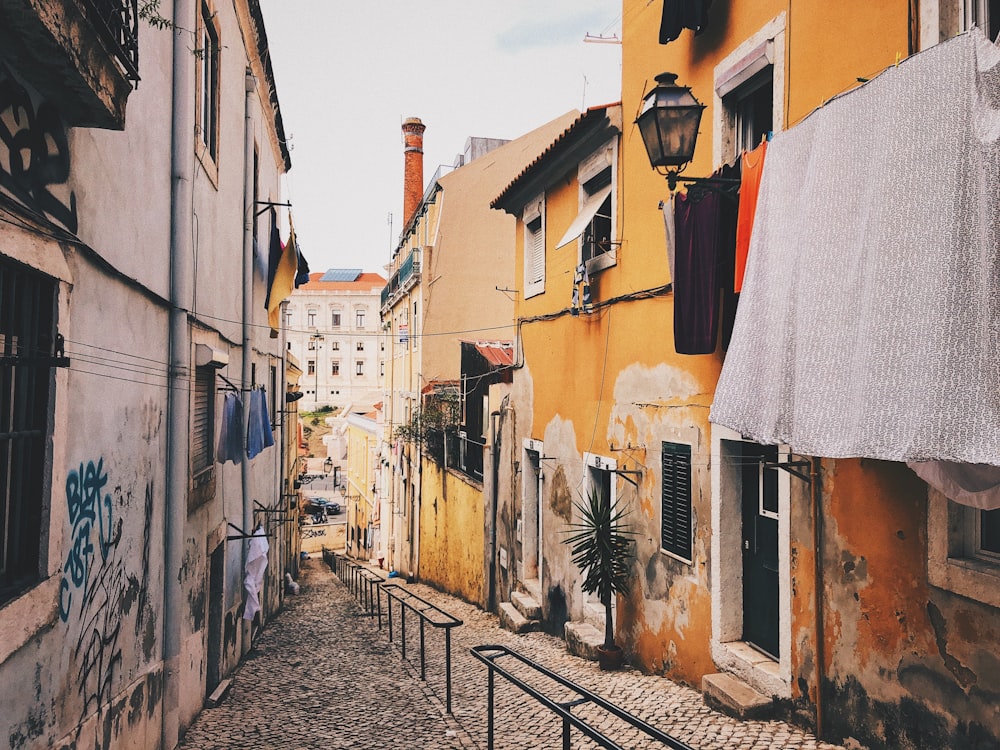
(989, 531)
(117, 22)
(27, 336)
(675, 518)
(208, 54)
(203, 422)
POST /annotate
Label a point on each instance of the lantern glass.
(668, 123)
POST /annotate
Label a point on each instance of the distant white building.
(333, 328)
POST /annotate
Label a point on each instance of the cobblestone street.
(322, 675)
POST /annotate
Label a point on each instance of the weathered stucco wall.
(451, 533)
(908, 665)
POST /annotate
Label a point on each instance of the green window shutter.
(675, 516)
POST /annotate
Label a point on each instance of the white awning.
(586, 215)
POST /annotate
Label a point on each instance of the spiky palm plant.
(602, 549)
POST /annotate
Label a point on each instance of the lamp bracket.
(728, 187)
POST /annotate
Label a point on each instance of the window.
(359, 367)
(534, 247)
(360, 346)
(311, 367)
(335, 368)
(27, 328)
(287, 315)
(416, 323)
(203, 420)
(311, 319)
(359, 319)
(335, 346)
(208, 83)
(989, 533)
(982, 13)
(675, 500)
(597, 209)
(963, 549)
(751, 107)
(311, 345)
(335, 319)
(381, 368)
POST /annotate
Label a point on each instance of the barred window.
(675, 516)
(27, 333)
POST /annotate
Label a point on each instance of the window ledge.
(23, 617)
(974, 579)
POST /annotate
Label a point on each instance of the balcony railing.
(403, 279)
(117, 22)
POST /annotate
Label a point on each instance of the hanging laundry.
(668, 209)
(259, 435)
(975, 485)
(726, 255)
(696, 288)
(753, 168)
(678, 15)
(231, 433)
(581, 278)
(253, 579)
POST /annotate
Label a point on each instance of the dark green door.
(760, 548)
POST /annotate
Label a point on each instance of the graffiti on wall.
(34, 153)
(103, 583)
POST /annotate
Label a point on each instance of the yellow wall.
(452, 542)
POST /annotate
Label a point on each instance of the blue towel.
(259, 434)
(231, 434)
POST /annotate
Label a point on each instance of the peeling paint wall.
(451, 533)
(86, 642)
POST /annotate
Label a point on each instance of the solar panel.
(341, 274)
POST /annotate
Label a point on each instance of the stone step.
(511, 619)
(733, 697)
(527, 605)
(219, 694)
(583, 639)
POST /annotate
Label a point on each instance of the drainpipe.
(817, 513)
(491, 601)
(249, 216)
(179, 373)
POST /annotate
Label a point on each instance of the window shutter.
(202, 421)
(675, 518)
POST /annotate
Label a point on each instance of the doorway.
(759, 539)
(216, 593)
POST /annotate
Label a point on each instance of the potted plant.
(602, 549)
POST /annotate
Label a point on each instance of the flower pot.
(610, 659)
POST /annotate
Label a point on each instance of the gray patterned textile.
(868, 324)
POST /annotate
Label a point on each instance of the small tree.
(430, 426)
(602, 549)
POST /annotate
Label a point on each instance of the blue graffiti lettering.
(86, 510)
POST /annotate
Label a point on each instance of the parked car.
(319, 508)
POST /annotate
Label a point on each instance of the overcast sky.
(349, 73)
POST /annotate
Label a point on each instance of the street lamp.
(328, 465)
(668, 123)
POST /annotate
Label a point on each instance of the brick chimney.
(413, 166)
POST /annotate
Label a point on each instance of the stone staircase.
(523, 613)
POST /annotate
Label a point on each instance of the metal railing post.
(447, 667)
(423, 660)
(489, 707)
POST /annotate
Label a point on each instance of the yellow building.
(450, 275)
(833, 588)
(360, 487)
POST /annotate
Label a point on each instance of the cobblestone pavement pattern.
(322, 675)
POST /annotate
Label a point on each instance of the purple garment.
(696, 288)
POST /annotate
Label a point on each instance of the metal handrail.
(361, 581)
(488, 654)
(117, 21)
(394, 591)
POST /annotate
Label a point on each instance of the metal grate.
(27, 338)
(675, 517)
(117, 21)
